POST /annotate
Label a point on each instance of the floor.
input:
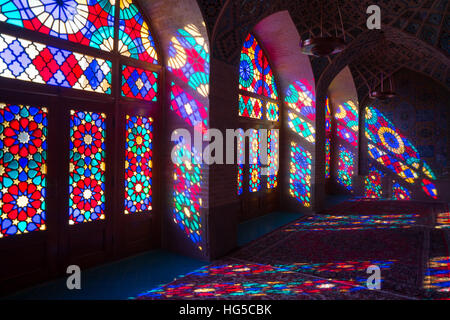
(132, 276)
(327, 256)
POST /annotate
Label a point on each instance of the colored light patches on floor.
(429, 188)
(240, 270)
(138, 164)
(87, 167)
(250, 289)
(187, 200)
(301, 127)
(437, 275)
(339, 267)
(381, 132)
(443, 220)
(188, 108)
(300, 97)
(250, 107)
(138, 83)
(189, 58)
(23, 169)
(300, 175)
(273, 153)
(397, 167)
(373, 184)
(354, 222)
(35, 62)
(90, 23)
(255, 73)
(135, 39)
(346, 168)
(399, 192)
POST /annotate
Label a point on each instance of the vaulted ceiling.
(416, 33)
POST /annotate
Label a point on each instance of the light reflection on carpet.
(353, 222)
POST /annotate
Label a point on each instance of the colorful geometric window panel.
(273, 111)
(429, 188)
(135, 39)
(30, 61)
(382, 132)
(255, 178)
(186, 195)
(397, 167)
(300, 174)
(240, 179)
(255, 165)
(139, 83)
(426, 169)
(138, 164)
(189, 58)
(23, 169)
(346, 134)
(87, 167)
(185, 106)
(250, 107)
(255, 74)
(347, 115)
(373, 184)
(90, 23)
(273, 151)
(399, 192)
(300, 97)
(301, 127)
(346, 168)
(327, 158)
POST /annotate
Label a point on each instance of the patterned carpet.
(325, 256)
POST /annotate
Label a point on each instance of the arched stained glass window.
(258, 109)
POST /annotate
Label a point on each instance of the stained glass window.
(255, 74)
(255, 165)
(250, 107)
(345, 168)
(87, 167)
(139, 83)
(257, 100)
(189, 58)
(300, 174)
(31, 61)
(185, 106)
(273, 111)
(23, 169)
(89, 22)
(138, 164)
(273, 150)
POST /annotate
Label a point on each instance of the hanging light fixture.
(325, 45)
(383, 93)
